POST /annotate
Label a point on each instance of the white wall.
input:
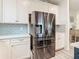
(75, 15)
(77, 20)
(72, 18)
(72, 13)
(64, 20)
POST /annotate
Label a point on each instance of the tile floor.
(64, 54)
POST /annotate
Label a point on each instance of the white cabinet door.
(15, 11)
(9, 11)
(4, 50)
(60, 40)
(1, 20)
(23, 7)
(15, 48)
(20, 48)
(53, 8)
(20, 52)
(39, 6)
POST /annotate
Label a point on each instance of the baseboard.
(59, 49)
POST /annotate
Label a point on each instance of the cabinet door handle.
(11, 45)
(17, 21)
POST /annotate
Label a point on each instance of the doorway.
(74, 21)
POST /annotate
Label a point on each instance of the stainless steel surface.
(43, 40)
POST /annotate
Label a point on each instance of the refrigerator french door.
(43, 33)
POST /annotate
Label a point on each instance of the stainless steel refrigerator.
(42, 30)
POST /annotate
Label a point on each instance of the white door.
(23, 11)
(53, 8)
(60, 40)
(39, 6)
(20, 48)
(20, 52)
(4, 50)
(9, 11)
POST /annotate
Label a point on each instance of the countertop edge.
(14, 36)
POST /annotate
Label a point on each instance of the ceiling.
(74, 5)
(53, 1)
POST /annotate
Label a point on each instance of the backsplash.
(60, 28)
(12, 29)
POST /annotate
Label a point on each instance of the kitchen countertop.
(75, 44)
(14, 36)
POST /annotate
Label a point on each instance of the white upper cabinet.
(9, 11)
(39, 6)
(1, 11)
(53, 8)
(23, 7)
(17, 11)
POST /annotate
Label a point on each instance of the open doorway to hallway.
(74, 22)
